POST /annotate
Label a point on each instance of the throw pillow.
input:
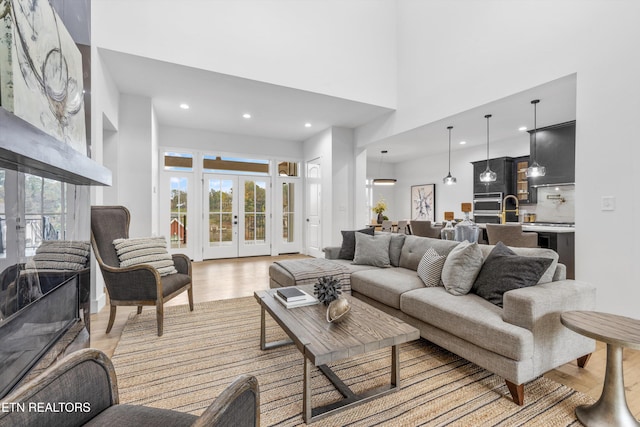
(461, 268)
(503, 271)
(395, 248)
(62, 255)
(145, 250)
(348, 248)
(372, 250)
(430, 267)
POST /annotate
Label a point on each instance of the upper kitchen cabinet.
(555, 149)
(503, 167)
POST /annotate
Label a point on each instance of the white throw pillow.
(145, 250)
(461, 268)
(430, 267)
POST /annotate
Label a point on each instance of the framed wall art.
(423, 202)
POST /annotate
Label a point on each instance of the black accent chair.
(84, 387)
(135, 285)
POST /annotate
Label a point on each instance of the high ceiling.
(217, 103)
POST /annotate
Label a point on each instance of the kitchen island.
(560, 238)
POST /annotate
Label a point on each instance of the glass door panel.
(290, 240)
(221, 217)
(255, 237)
(177, 210)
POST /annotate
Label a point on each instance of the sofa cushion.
(415, 246)
(503, 271)
(469, 317)
(372, 250)
(395, 248)
(535, 252)
(385, 285)
(348, 248)
(461, 268)
(430, 267)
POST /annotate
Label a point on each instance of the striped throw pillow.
(61, 255)
(430, 267)
(145, 250)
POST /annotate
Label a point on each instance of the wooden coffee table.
(617, 332)
(364, 329)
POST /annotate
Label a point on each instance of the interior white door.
(220, 224)
(313, 209)
(255, 216)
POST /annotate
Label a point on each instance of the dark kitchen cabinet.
(503, 167)
(521, 188)
(564, 245)
(555, 149)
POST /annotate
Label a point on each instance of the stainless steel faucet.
(503, 216)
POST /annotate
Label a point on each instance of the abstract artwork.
(41, 71)
(423, 202)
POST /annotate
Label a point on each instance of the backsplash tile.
(555, 204)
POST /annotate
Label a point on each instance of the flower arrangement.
(327, 289)
(380, 207)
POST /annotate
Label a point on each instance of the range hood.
(25, 148)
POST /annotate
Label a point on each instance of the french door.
(178, 207)
(236, 216)
(313, 209)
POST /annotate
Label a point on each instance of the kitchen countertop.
(543, 228)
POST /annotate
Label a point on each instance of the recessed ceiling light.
(307, 125)
(184, 106)
(246, 115)
(522, 128)
(463, 142)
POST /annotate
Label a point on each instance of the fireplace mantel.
(25, 148)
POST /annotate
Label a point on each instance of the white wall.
(135, 158)
(495, 48)
(334, 47)
(207, 141)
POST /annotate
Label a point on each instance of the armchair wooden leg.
(190, 294)
(582, 361)
(159, 317)
(139, 309)
(112, 318)
(517, 392)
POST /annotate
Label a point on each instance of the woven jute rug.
(203, 351)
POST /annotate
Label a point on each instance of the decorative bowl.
(338, 310)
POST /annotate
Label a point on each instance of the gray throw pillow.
(461, 268)
(395, 248)
(348, 248)
(372, 250)
(430, 268)
(503, 271)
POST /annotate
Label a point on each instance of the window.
(218, 164)
(45, 210)
(178, 161)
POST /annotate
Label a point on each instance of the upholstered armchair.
(511, 235)
(138, 285)
(83, 390)
(425, 229)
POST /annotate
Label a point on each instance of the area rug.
(203, 351)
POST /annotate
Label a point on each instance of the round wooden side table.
(617, 332)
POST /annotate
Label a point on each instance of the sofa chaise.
(519, 341)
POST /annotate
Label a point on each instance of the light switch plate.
(608, 203)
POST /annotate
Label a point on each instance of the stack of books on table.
(292, 297)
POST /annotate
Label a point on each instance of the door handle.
(307, 219)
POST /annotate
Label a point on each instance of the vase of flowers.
(379, 208)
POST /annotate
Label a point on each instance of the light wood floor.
(233, 278)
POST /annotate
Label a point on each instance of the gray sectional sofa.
(519, 341)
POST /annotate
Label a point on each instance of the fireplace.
(34, 329)
(44, 312)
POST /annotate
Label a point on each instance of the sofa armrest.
(331, 252)
(525, 307)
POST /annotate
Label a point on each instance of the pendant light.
(383, 181)
(488, 175)
(449, 180)
(534, 168)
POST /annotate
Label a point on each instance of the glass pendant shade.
(383, 181)
(449, 179)
(534, 169)
(488, 175)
